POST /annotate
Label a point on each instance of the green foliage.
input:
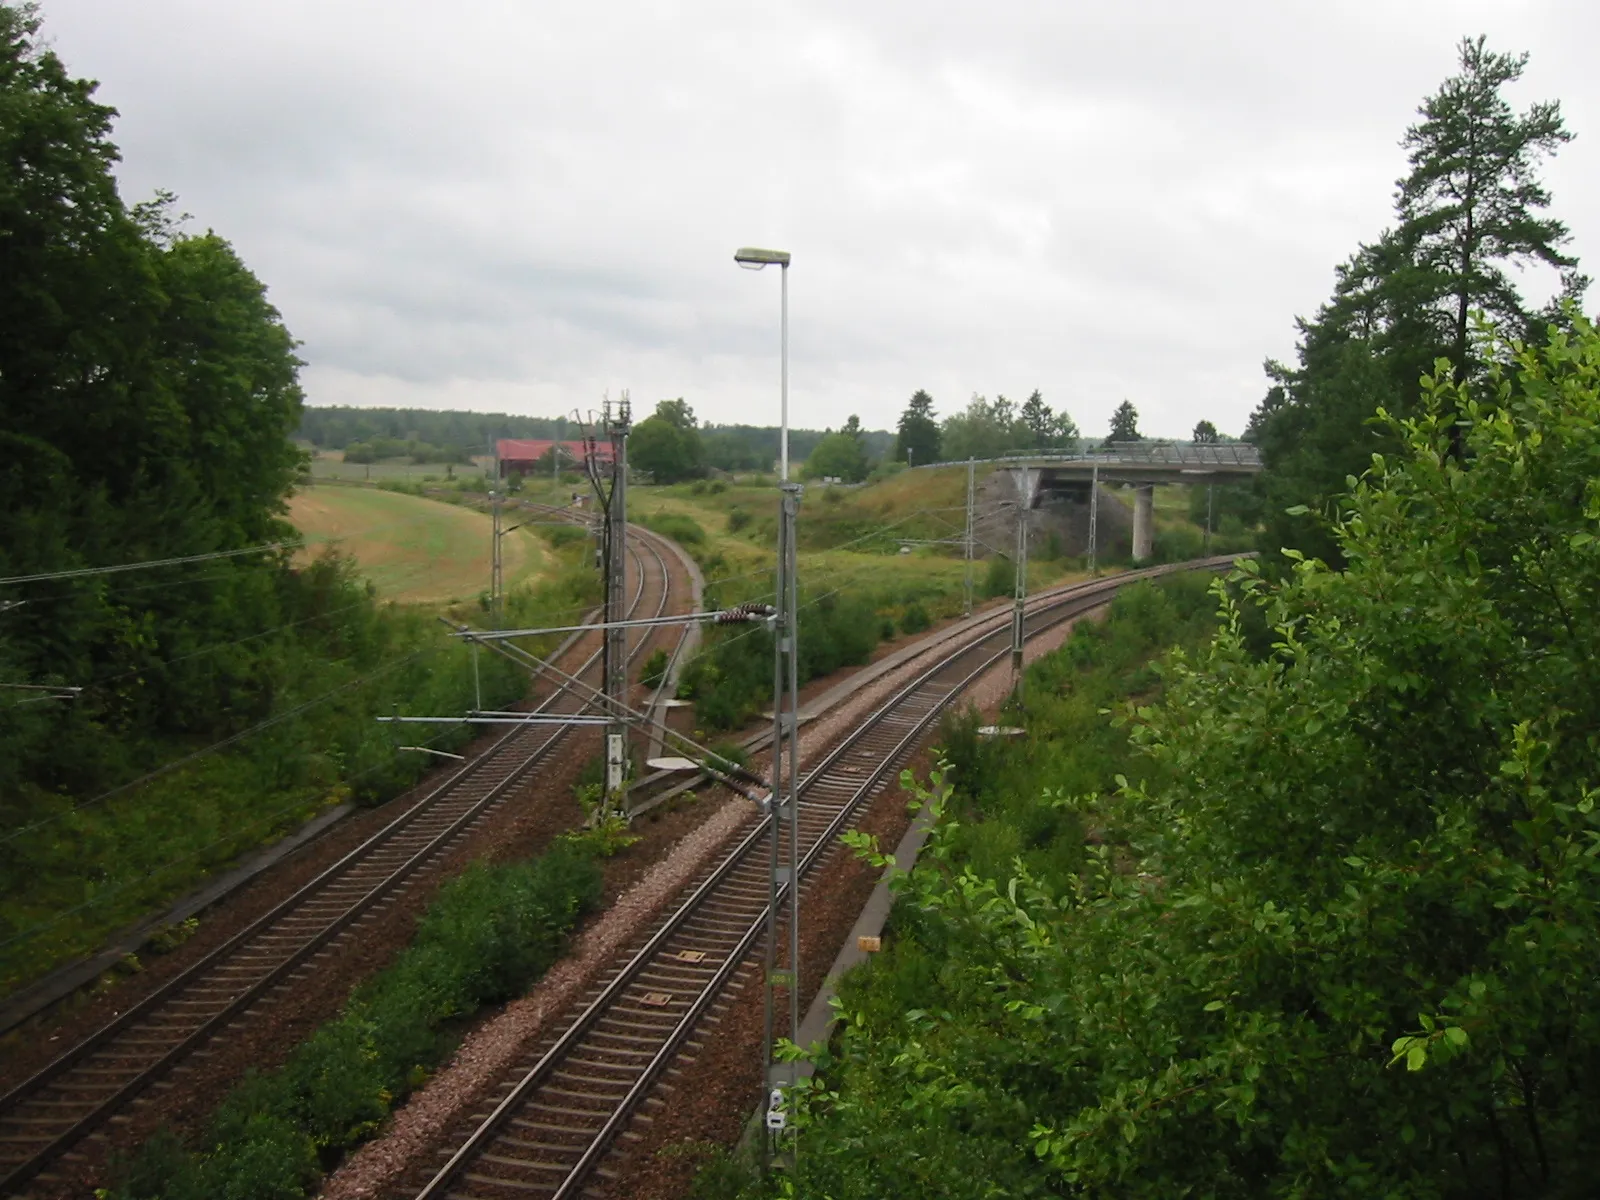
(738, 519)
(918, 438)
(840, 455)
(914, 619)
(681, 528)
(730, 680)
(490, 932)
(561, 536)
(999, 577)
(380, 448)
(666, 445)
(1470, 207)
(73, 869)
(1178, 543)
(1124, 424)
(340, 427)
(1336, 935)
(1238, 503)
(147, 391)
(986, 429)
(654, 669)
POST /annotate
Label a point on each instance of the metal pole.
(967, 577)
(616, 638)
(777, 1077)
(792, 607)
(477, 686)
(496, 569)
(1094, 514)
(784, 870)
(1019, 592)
(783, 355)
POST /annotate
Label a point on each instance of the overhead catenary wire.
(264, 820)
(231, 739)
(149, 564)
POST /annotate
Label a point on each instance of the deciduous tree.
(840, 455)
(667, 445)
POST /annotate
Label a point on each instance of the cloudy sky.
(517, 206)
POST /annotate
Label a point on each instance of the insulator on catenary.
(741, 613)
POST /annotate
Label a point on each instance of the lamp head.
(753, 259)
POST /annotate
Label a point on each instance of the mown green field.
(414, 550)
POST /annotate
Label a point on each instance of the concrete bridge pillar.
(1144, 522)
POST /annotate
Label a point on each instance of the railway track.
(546, 1126)
(50, 1113)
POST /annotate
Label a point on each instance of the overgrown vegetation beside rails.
(730, 680)
(680, 527)
(1339, 938)
(76, 867)
(1005, 788)
(490, 933)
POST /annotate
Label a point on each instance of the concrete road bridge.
(1075, 475)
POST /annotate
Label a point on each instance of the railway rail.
(50, 1113)
(550, 1121)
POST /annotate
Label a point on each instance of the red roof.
(513, 452)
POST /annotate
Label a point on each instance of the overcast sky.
(517, 206)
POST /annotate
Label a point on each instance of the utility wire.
(265, 820)
(147, 565)
(167, 768)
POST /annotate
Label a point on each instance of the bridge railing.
(1131, 454)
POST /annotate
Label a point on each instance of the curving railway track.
(50, 1113)
(550, 1121)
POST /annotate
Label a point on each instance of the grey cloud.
(540, 202)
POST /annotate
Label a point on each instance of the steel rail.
(614, 995)
(42, 1137)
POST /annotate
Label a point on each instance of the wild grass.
(491, 932)
(75, 869)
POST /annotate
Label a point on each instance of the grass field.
(414, 550)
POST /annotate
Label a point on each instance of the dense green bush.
(738, 518)
(654, 669)
(730, 680)
(490, 932)
(680, 527)
(999, 577)
(565, 535)
(1336, 935)
(1179, 543)
(914, 619)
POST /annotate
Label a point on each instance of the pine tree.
(1041, 422)
(1124, 424)
(1471, 204)
(918, 439)
(1470, 207)
(1205, 434)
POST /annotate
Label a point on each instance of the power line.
(266, 819)
(167, 768)
(147, 565)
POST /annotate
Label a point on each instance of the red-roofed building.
(522, 456)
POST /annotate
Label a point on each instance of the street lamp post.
(777, 1077)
